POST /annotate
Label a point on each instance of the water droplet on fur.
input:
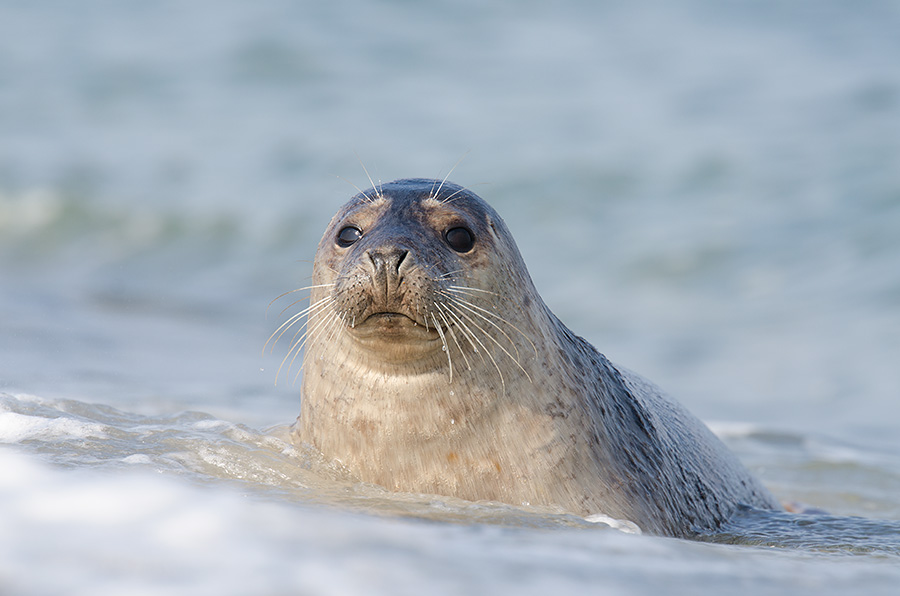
(452, 394)
(452, 421)
(443, 348)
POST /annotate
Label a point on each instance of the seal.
(432, 365)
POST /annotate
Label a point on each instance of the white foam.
(87, 532)
(622, 525)
(137, 459)
(15, 428)
(212, 424)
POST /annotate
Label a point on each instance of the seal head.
(432, 365)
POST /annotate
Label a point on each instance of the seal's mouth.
(393, 326)
(388, 316)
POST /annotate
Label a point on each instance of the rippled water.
(708, 193)
(189, 503)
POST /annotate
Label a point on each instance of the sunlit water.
(710, 194)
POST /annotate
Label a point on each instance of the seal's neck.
(346, 390)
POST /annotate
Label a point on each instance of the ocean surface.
(708, 192)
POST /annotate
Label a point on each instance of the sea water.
(708, 192)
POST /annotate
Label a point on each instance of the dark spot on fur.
(557, 409)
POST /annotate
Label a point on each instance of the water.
(709, 193)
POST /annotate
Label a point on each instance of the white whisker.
(450, 199)
(292, 305)
(297, 344)
(441, 312)
(498, 344)
(459, 161)
(470, 306)
(311, 309)
(466, 332)
(448, 274)
(279, 297)
(472, 336)
(358, 189)
(331, 323)
(444, 341)
(462, 304)
(378, 192)
(464, 289)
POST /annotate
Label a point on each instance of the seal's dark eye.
(348, 236)
(459, 239)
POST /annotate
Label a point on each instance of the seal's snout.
(388, 267)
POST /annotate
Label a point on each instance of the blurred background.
(709, 192)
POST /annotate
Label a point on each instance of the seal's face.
(403, 266)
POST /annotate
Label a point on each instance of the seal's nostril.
(400, 258)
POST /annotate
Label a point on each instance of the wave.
(206, 450)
